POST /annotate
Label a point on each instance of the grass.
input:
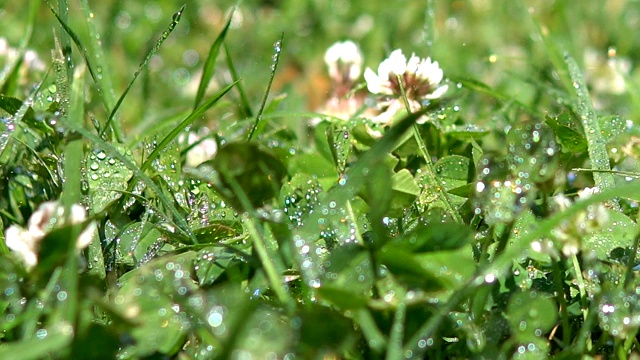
(238, 214)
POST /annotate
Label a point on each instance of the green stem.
(431, 175)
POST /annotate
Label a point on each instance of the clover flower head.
(205, 147)
(25, 243)
(344, 61)
(420, 78)
(571, 232)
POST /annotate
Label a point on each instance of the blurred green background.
(495, 42)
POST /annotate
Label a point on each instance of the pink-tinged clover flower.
(420, 78)
(344, 65)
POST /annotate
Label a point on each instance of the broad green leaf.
(570, 140)
(453, 170)
(531, 314)
(619, 231)
(107, 177)
(435, 237)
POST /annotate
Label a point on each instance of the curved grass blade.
(95, 52)
(274, 66)
(596, 143)
(245, 107)
(183, 226)
(12, 64)
(210, 64)
(143, 65)
(76, 41)
(183, 125)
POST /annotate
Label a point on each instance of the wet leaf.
(107, 177)
(339, 139)
(570, 139)
(453, 170)
(435, 237)
(531, 315)
(618, 232)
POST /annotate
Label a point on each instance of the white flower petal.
(437, 93)
(397, 63)
(40, 221)
(23, 245)
(373, 82)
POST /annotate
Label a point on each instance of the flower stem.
(431, 175)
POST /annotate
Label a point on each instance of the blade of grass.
(245, 107)
(143, 65)
(197, 113)
(54, 343)
(74, 151)
(596, 143)
(394, 350)
(430, 172)
(210, 64)
(63, 11)
(85, 55)
(554, 53)
(274, 66)
(16, 120)
(97, 56)
(13, 63)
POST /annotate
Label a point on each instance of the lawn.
(319, 179)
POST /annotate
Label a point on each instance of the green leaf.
(339, 139)
(619, 231)
(341, 297)
(404, 182)
(213, 261)
(107, 177)
(435, 237)
(531, 314)
(570, 140)
(453, 170)
(404, 265)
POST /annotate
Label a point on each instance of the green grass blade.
(210, 64)
(74, 150)
(554, 53)
(55, 343)
(596, 143)
(197, 113)
(97, 56)
(63, 11)
(274, 67)
(81, 48)
(245, 106)
(143, 65)
(394, 350)
(12, 65)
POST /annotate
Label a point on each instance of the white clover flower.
(420, 78)
(25, 243)
(571, 232)
(344, 61)
(204, 150)
(344, 64)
